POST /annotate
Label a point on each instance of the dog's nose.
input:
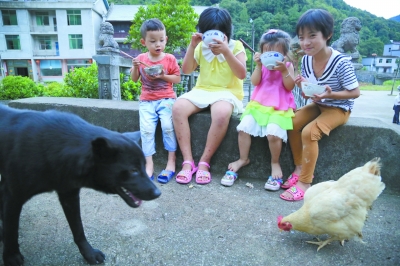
(156, 193)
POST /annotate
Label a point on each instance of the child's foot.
(273, 184)
(276, 171)
(235, 166)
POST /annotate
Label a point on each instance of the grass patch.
(386, 86)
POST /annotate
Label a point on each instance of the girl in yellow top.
(219, 86)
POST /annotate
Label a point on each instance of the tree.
(178, 17)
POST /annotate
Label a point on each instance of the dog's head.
(120, 167)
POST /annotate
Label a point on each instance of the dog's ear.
(103, 150)
(135, 136)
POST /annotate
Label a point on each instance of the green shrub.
(82, 82)
(53, 89)
(17, 87)
(131, 90)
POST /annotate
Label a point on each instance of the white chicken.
(337, 208)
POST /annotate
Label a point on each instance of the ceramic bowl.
(268, 59)
(209, 35)
(153, 70)
(310, 89)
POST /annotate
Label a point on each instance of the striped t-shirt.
(339, 75)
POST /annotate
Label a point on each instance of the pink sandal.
(185, 176)
(203, 177)
(296, 192)
(291, 181)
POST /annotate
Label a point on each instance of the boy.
(157, 96)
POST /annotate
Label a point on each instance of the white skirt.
(249, 125)
(202, 99)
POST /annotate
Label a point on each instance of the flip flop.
(292, 180)
(151, 177)
(165, 176)
(297, 193)
(185, 176)
(201, 174)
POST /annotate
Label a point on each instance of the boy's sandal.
(185, 176)
(203, 177)
(291, 181)
(229, 178)
(165, 176)
(296, 192)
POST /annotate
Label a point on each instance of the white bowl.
(310, 89)
(209, 35)
(268, 59)
(153, 70)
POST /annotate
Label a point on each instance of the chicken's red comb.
(280, 219)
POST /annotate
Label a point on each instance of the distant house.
(121, 16)
(44, 39)
(387, 62)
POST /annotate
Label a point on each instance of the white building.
(45, 39)
(385, 63)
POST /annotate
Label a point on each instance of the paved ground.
(207, 225)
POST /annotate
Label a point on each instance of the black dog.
(56, 151)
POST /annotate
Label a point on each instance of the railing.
(44, 29)
(37, 52)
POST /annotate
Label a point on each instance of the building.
(385, 63)
(45, 39)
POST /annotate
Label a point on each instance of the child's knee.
(313, 132)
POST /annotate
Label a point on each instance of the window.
(74, 17)
(45, 43)
(50, 68)
(380, 60)
(9, 17)
(75, 41)
(77, 63)
(42, 19)
(390, 49)
(388, 60)
(13, 42)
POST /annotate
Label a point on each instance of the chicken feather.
(337, 208)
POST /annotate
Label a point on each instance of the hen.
(337, 208)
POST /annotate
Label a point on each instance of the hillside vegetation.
(283, 14)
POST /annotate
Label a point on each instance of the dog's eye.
(134, 171)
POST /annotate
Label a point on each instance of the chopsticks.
(247, 46)
(122, 52)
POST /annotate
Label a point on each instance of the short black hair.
(318, 20)
(215, 18)
(152, 24)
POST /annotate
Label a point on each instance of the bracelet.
(287, 75)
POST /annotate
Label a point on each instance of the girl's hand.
(298, 80)
(280, 66)
(257, 58)
(196, 39)
(325, 94)
(220, 47)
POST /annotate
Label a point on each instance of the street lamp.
(374, 62)
(252, 43)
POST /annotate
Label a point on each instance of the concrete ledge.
(349, 146)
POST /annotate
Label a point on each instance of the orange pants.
(309, 124)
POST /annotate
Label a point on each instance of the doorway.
(21, 71)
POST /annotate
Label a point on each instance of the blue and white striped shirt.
(339, 75)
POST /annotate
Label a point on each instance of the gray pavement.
(207, 225)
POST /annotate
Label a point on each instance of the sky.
(380, 8)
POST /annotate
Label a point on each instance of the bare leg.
(275, 147)
(244, 141)
(220, 116)
(171, 161)
(149, 166)
(181, 111)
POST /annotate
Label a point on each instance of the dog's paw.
(94, 257)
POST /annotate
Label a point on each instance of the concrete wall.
(349, 146)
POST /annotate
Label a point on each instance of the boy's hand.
(153, 77)
(298, 80)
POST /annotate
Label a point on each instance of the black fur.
(56, 151)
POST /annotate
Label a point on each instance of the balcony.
(48, 30)
(37, 52)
